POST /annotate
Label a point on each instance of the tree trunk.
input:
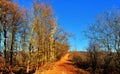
(12, 46)
(5, 36)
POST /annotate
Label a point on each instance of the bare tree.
(106, 32)
(93, 50)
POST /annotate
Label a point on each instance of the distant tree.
(106, 32)
(93, 51)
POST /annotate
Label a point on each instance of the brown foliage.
(29, 40)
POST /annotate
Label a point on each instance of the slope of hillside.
(63, 66)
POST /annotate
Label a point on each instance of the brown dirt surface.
(63, 66)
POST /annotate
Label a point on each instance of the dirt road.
(64, 66)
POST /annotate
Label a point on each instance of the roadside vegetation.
(103, 52)
(29, 38)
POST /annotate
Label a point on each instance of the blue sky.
(75, 16)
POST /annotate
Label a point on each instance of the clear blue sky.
(75, 15)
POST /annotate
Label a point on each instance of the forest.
(31, 42)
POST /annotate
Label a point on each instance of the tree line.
(102, 56)
(30, 37)
(104, 43)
